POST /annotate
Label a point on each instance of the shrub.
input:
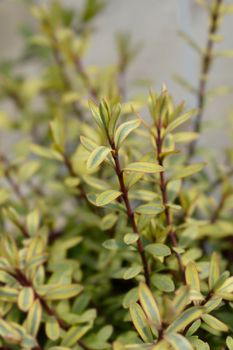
(112, 235)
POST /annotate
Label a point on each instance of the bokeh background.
(156, 24)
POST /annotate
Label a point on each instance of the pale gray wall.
(156, 24)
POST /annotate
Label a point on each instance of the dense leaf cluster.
(112, 235)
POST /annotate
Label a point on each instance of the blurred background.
(156, 24)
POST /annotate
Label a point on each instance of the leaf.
(25, 298)
(144, 167)
(105, 333)
(181, 299)
(187, 317)
(88, 143)
(163, 282)
(191, 276)
(158, 249)
(178, 341)
(33, 221)
(152, 208)
(214, 272)
(212, 304)
(73, 335)
(52, 328)
(149, 305)
(187, 171)
(161, 345)
(131, 238)
(95, 113)
(105, 113)
(33, 319)
(140, 322)
(193, 328)
(124, 130)
(229, 342)
(58, 348)
(132, 272)
(61, 292)
(214, 323)
(57, 129)
(130, 297)
(116, 111)
(107, 197)
(180, 120)
(108, 221)
(8, 333)
(8, 294)
(182, 137)
(97, 157)
(113, 244)
(227, 286)
(4, 195)
(46, 152)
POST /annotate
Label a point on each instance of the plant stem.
(163, 188)
(219, 180)
(129, 209)
(11, 181)
(81, 71)
(219, 208)
(207, 59)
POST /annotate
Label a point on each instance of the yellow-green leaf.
(214, 272)
(152, 208)
(214, 323)
(33, 319)
(124, 130)
(73, 335)
(181, 299)
(182, 137)
(188, 171)
(149, 305)
(97, 157)
(178, 341)
(132, 272)
(107, 197)
(131, 238)
(52, 328)
(33, 221)
(163, 282)
(8, 333)
(25, 298)
(191, 276)
(8, 294)
(88, 143)
(178, 121)
(229, 342)
(161, 345)
(144, 167)
(227, 286)
(183, 320)
(95, 113)
(60, 292)
(158, 249)
(140, 322)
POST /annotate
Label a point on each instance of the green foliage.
(112, 237)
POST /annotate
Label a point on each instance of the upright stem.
(15, 187)
(163, 188)
(219, 208)
(129, 209)
(213, 185)
(207, 59)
